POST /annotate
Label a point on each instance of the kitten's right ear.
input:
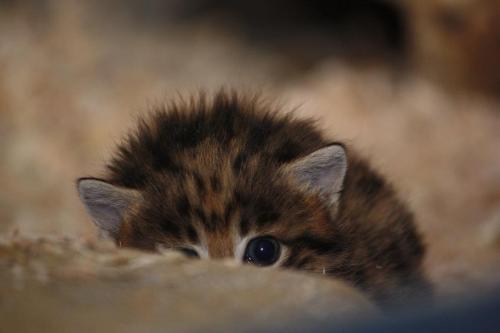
(106, 203)
(322, 171)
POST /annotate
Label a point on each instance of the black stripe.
(200, 214)
(213, 222)
(192, 234)
(370, 184)
(266, 213)
(317, 244)
(287, 152)
(240, 159)
(229, 211)
(215, 183)
(170, 228)
(244, 225)
(183, 206)
(200, 185)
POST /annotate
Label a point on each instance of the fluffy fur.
(210, 173)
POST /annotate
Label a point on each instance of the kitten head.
(217, 211)
(228, 180)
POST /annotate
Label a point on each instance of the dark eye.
(262, 251)
(188, 252)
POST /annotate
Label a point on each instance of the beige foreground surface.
(71, 286)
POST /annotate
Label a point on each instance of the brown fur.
(209, 171)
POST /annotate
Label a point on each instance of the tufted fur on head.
(211, 174)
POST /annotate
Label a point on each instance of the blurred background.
(413, 85)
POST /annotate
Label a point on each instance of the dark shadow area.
(305, 31)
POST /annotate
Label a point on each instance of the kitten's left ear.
(322, 171)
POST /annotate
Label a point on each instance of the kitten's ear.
(322, 171)
(106, 203)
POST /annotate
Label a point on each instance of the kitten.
(230, 178)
